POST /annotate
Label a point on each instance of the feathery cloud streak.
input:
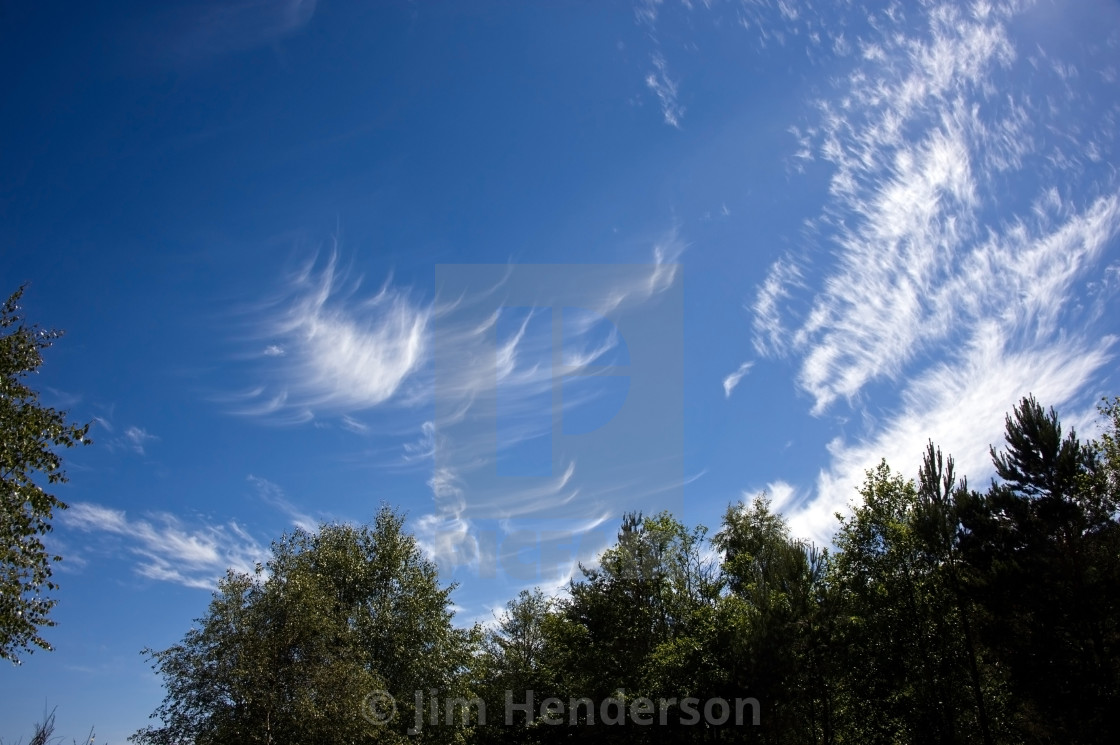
(170, 551)
(486, 366)
(960, 291)
(345, 350)
(731, 382)
(342, 351)
(665, 88)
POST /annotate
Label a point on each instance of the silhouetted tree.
(1041, 547)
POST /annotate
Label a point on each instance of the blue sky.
(720, 247)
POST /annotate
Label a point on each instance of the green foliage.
(1042, 552)
(944, 615)
(637, 625)
(762, 563)
(1038, 461)
(518, 647)
(30, 435)
(519, 656)
(645, 594)
(907, 675)
(1108, 451)
(291, 653)
(772, 625)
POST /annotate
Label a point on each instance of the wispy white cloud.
(273, 495)
(960, 405)
(346, 352)
(352, 424)
(525, 553)
(960, 292)
(343, 351)
(917, 167)
(133, 439)
(137, 436)
(781, 495)
(645, 11)
(424, 447)
(665, 88)
(170, 551)
(906, 206)
(732, 380)
(389, 354)
(666, 255)
(489, 363)
(770, 334)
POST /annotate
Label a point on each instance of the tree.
(294, 651)
(1043, 555)
(30, 435)
(1038, 462)
(634, 626)
(941, 499)
(773, 630)
(907, 674)
(519, 657)
(518, 645)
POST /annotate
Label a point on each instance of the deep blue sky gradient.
(176, 181)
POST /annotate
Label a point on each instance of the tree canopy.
(941, 614)
(30, 436)
(294, 651)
